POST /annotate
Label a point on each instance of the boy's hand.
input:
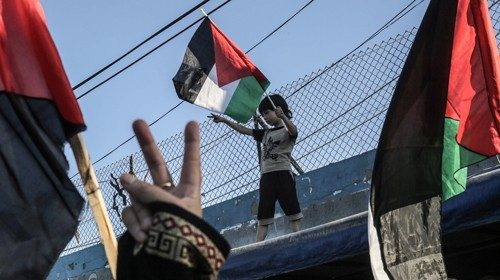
(279, 113)
(216, 118)
(186, 194)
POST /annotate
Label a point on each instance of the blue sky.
(89, 34)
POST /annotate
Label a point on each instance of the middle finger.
(154, 159)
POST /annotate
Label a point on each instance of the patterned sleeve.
(258, 134)
(179, 246)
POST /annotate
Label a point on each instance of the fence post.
(96, 201)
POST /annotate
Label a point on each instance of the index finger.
(154, 159)
(191, 169)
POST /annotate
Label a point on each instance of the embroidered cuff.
(182, 237)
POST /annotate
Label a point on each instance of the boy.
(277, 181)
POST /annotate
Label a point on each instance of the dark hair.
(279, 101)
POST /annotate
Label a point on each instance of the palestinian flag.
(39, 206)
(444, 116)
(215, 74)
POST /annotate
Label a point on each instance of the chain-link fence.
(339, 111)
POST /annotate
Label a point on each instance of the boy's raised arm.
(292, 129)
(239, 128)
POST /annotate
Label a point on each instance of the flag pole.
(258, 120)
(205, 14)
(274, 107)
(95, 200)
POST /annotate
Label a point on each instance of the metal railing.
(339, 111)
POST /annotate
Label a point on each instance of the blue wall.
(79, 263)
(324, 188)
(332, 181)
(332, 192)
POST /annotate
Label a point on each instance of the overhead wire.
(345, 133)
(132, 137)
(178, 104)
(170, 24)
(276, 29)
(134, 62)
(258, 43)
(393, 20)
(397, 17)
(151, 51)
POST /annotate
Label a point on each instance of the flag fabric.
(215, 74)
(444, 116)
(39, 206)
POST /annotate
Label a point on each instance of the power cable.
(398, 16)
(395, 18)
(258, 43)
(130, 138)
(151, 51)
(178, 104)
(139, 45)
(290, 18)
(352, 129)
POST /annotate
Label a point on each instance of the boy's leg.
(288, 200)
(295, 225)
(267, 200)
(261, 233)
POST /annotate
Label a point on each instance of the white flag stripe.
(212, 97)
(375, 254)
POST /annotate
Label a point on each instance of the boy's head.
(266, 109)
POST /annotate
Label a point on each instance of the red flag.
(29, 61)
(39, 206)
(443, 117)
(473, 93)
(215, 74)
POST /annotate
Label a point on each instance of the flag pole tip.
(205, 14)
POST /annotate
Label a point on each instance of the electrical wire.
(394, 19)
(130, 138)
(350, 130)
(279, 27)
(178, 104)
(139, 45)
(150, 52)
